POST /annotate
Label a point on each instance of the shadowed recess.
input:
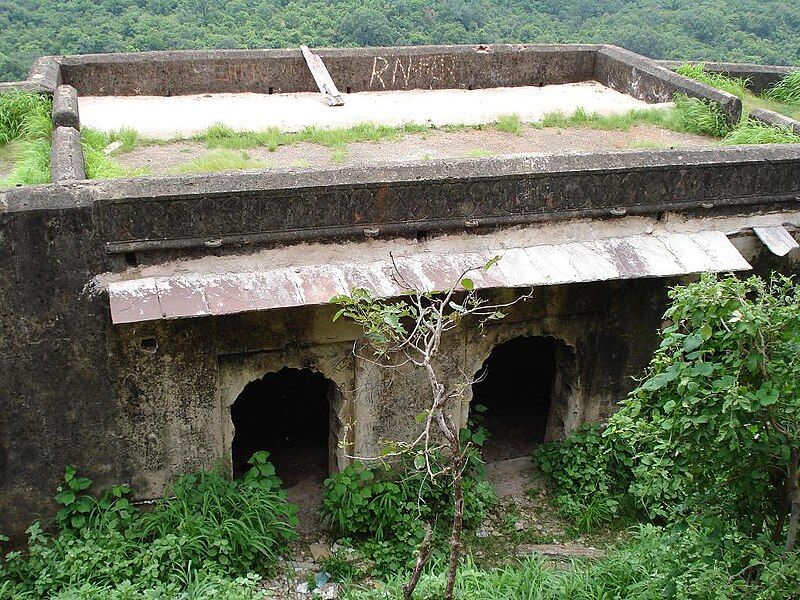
(285, 413)
(516, 389)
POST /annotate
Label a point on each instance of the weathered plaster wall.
(353, 69)
(140, 403)
(174, 396)
(56, 407)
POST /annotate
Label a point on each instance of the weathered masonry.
(156, 325)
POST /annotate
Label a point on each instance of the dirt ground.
(523, 522)
(437, 144)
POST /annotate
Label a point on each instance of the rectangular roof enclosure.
(225, 286)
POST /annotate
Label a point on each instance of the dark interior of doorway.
(516, 388)
(287, 414)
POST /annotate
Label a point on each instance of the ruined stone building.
(154, 325)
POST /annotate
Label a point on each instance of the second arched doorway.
(520, 384)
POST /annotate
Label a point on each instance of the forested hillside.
(765, 31)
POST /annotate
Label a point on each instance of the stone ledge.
(65, 107)
(66, 156)
(770, 117)
(560, 552)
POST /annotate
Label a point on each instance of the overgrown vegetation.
(690, 563)
(698, 72)
(25, 122)
(708, 444)
(702, 117)
(716, 424)
(384, 509)
(202, 540)
(591, 476)
(753, 132)
(787, 90)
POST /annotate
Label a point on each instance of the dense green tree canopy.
(766, 31)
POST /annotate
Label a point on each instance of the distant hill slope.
(765, 31)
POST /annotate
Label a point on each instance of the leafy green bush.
(201, 539)
(591, 475)
(384, 508)
(786, 90)
(700, 116)
(716, 423)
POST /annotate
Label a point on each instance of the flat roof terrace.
(164, 96)
(184, 116)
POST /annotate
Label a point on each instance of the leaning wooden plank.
(322, 77)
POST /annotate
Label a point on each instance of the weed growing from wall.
(700, 116)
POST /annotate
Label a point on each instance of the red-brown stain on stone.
(380, 200)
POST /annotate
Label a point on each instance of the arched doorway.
(286, 413)
(518, 384)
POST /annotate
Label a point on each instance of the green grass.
(339, 153)
(653, 563)
(478, 153)
(752, 132)
(784, 98)
(700, 117)
(221, 136)
(97, 163)
(581, 119)
(698, 72)
(26, 125)
(787, 90)
(222, 159)
(24, 115)
(31, 165)
(509, 124)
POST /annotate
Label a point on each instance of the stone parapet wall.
(352, 69)
(191, 214)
